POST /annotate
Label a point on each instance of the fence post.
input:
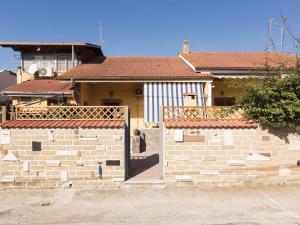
(3, 111)
(161, 141)
(127, 142)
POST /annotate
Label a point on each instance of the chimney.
(186, 47)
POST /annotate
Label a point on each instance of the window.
(62, 63)
(70, 63)
(224, 101)
(49, 61)
(25, 99)
(58, 62)
(57, 101)
(39, 60)
(111, 102)
(28, 60)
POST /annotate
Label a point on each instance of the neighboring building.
(41, 92)
(7, 78)
(224, 66)
(44, 61)
(51, 58)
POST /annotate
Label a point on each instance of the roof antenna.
(100, 30)
(270, 26)
(282, 38)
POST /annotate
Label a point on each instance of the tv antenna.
(270, 27)
(100, 30)
(282, 37)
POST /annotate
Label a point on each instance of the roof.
(49, 47)
(133, 68)
(238, 60)
(63, 124)
(16, 44)
(7, 78)
(212, 124)
(41, 87)
(7, 72)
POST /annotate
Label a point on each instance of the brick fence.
(51, 157)
(231, 156)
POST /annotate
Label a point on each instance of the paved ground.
(176, 206)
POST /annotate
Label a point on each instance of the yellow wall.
(229, 90)
(17, 100)
(94, 94)
(23, 76)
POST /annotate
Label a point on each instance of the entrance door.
(144, 160)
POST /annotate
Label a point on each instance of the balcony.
(60, 113)
(198, 113)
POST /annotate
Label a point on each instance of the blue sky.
(140, 27)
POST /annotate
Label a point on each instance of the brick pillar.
(3, 110)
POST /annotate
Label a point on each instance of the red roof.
(63, 124)
(238, 60)
(134, 68)
(45, 86)
(212, 124)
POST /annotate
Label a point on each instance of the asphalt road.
(176, 206)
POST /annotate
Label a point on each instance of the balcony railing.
(198, 113)
(70, 113)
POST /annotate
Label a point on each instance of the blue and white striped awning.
(168, 94)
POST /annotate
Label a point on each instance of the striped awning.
(168, 94)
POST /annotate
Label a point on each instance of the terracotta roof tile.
(238, 60)
(45, 86)
(118, 68)
(212, 124)
(63, 124)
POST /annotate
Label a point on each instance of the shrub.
(274, 101)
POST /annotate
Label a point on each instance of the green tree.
(274, 101)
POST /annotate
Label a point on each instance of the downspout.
(73, 56)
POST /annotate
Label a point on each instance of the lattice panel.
(71, 113)
(198, 113)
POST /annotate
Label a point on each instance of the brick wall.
(231, 156)
(67, 155)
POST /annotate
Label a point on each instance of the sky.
(147, 28)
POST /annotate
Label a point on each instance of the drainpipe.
(73, 56)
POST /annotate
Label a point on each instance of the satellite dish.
(33, 69)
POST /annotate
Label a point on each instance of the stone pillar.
(208, 93)
(3, 111)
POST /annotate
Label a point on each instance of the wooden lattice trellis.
(71, 113)
(198, 113)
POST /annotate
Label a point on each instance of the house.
(7, 79)
(79, 74)
(120, 118)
